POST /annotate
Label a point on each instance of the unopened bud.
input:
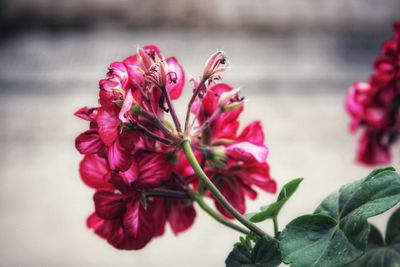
(136, 109)
(218, 159)
(231, 100)
(215, 65)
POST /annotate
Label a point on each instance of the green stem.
(196, 197)
(187, 149)
(276, 228)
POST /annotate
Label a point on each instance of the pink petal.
(119, 71)
(132, 173)
(176, 71)
(247, 152)
(86, 113)
(89, 142)
(108, 205)
(108, 126)
(118, 158)
(126, 107)
(94, 171)
(256, 174)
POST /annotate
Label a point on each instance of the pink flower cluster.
(374, 106)
(132, 156)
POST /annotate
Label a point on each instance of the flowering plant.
(148, 170)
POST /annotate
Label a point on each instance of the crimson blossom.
(374, 106)
(133, 157)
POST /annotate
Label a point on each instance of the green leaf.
(380, 253)
(337, 233)
(393, 228)
(264, 254)
(273, 209)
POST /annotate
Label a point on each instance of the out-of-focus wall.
(273, 15)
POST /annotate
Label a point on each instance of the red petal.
(233, 194)
(253, 133)
(94, 172)
(101, 227)
(138, 222)
(370, 151)
(181, 215)
(159, 211)
(89, 142)
(108, 126)
(108, 205)
(154, 169)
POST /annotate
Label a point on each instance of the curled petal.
(94, 172)
(86, 113)
(119, 71)
(132, 174)
(108, 205)
(247, 152)
(126, 107)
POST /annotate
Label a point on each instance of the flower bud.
(215, 65)
(218, 159)
(229, 101)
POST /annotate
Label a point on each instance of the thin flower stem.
(155, 121)
(276, 227)
(167, 193)
(187, 149)
(192, 99)
(171, 109)
(199, 200)
(212, 118)
(148, 133)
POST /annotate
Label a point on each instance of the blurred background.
(293, 60)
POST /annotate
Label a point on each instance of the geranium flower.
(132, 154)
(374, 106)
